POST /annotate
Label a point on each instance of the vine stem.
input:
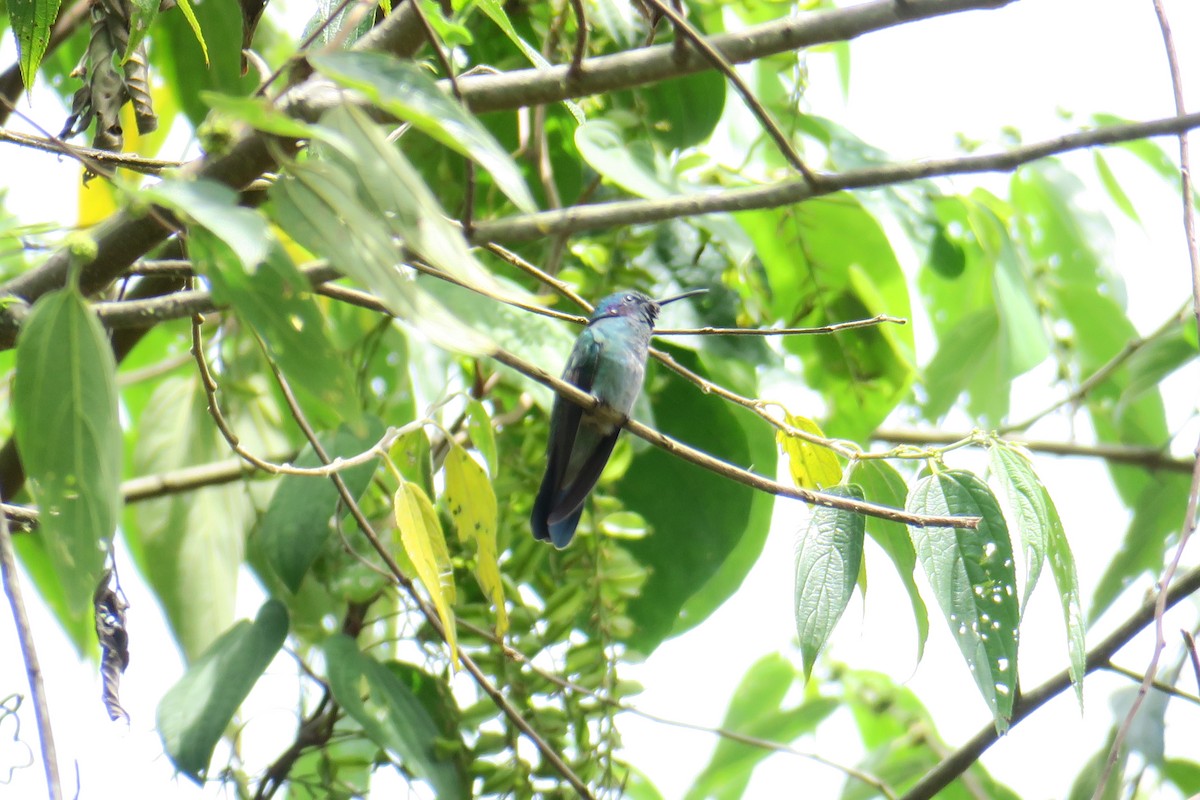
(33, 670)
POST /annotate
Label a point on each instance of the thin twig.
(751, 479)
(685, 29)
(1165, 688)
(1102, 373)
(879, 319)
(328, 470)
(1189, 521)
(1149, 457)
(33, 670)
(581, 37)
(1190, 643)
(129, 161)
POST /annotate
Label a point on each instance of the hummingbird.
(609, 361)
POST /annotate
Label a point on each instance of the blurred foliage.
(447, 447)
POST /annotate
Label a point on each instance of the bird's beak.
(681, 296)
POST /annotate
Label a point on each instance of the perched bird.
(609, 361)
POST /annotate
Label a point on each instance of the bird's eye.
(628, 298)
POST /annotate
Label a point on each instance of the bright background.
(1040, 68)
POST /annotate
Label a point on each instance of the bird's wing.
(575, 493)
(564, 426)
(565, 417)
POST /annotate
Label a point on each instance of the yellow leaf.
(812, 466)
(472, 503)
(423, 541)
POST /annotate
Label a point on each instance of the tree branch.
(1026, 703)
(647, 65)
(528, 227)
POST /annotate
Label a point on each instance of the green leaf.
(882, 484)
(479, 428)
(535, 338)
(1157, 358)
(31, 23)
(195, 712)
(1113, 186)
(185, 7)
(635, 167)
(144, 12)
(391, 715)
(1156, 516)
(405, 90)
(65, 410)
(966, 357)
(691, 576)
(190, 546)
(297, 523)
(1031, 509)
(828, 558)
(683, 112)
(275, 298)
(974, 579)
(192, 63)
(828, 260)
(756, 710)
(259, 113)
(215, 206)
(1184, 774)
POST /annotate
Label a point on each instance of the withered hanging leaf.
(110, 609)
(106, 87)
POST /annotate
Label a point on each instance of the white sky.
(913, 89)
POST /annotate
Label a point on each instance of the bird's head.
(636, 305)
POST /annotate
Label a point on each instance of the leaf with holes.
(31, 23)
(472, 504)
(974, 579)
(69, 435)
(1042, 535)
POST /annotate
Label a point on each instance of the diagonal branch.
(593, 405)
(1026, 703)
(1151, 458)
(528, 227)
